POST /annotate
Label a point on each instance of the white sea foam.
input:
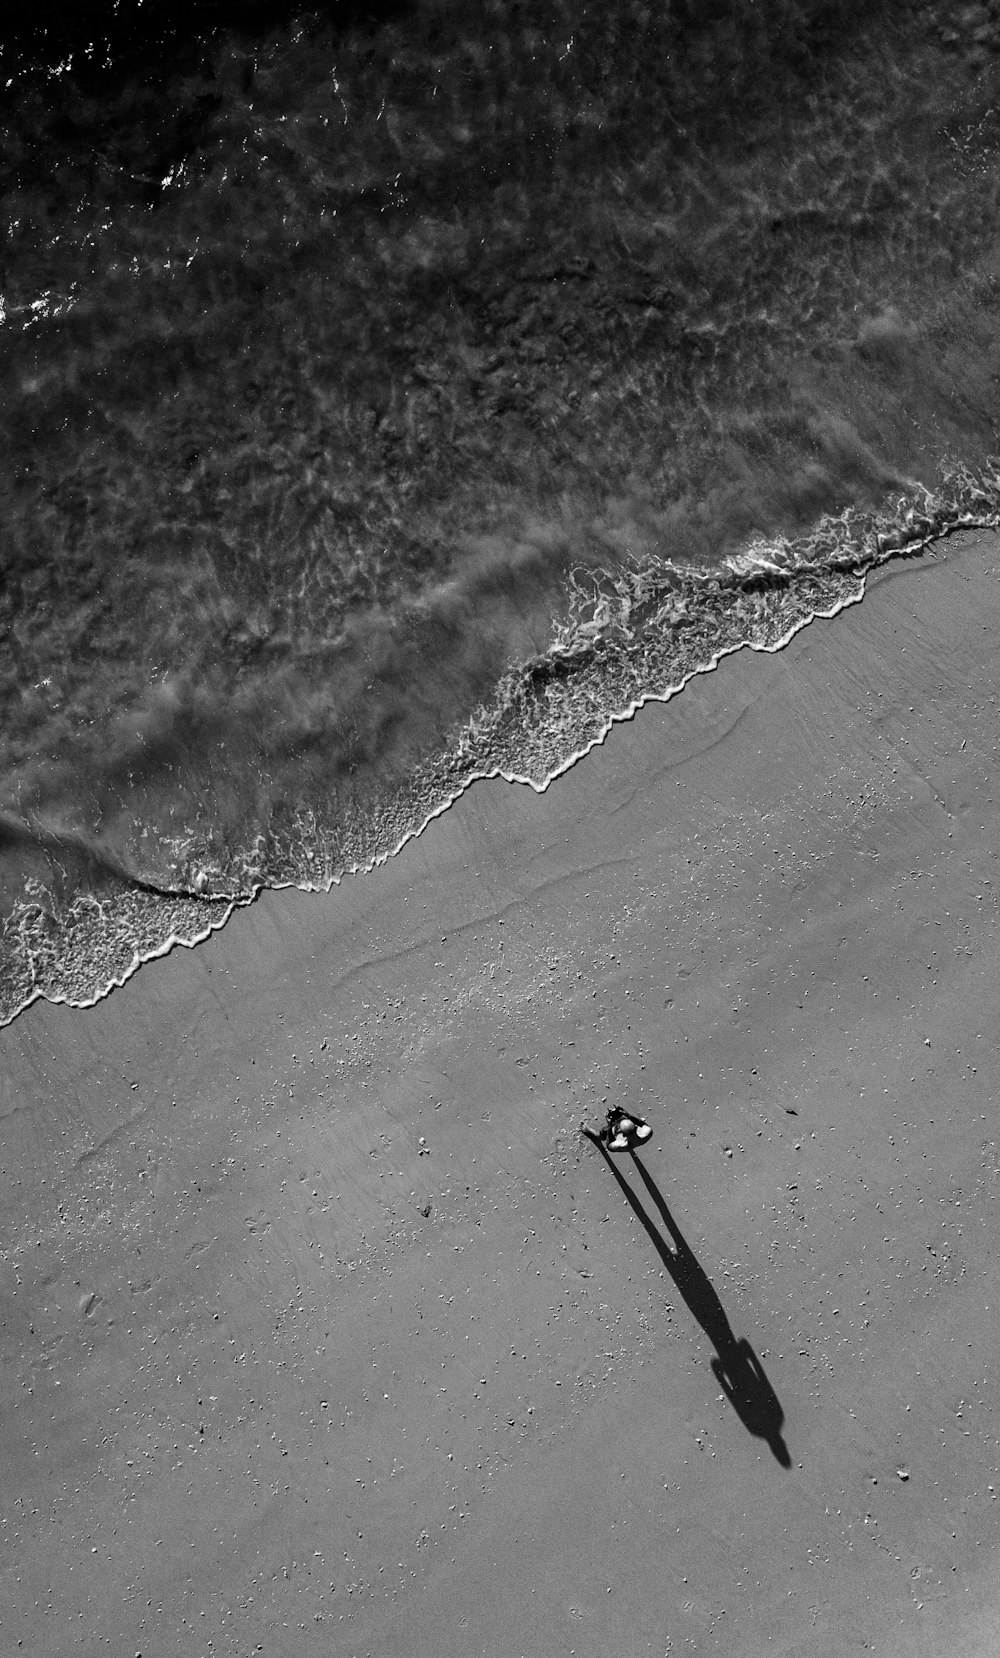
(626, 640)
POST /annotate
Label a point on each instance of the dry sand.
(324, 1329)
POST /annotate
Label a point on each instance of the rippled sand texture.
(326, 366)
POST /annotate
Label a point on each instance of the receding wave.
(628, 637)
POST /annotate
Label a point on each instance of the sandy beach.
(326, 1331)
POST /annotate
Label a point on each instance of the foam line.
(834, 552)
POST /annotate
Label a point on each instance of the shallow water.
(393, 405)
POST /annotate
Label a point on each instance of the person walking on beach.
(624, 1131)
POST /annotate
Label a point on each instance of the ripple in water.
(395, 405)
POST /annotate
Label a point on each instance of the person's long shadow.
(736, 1366)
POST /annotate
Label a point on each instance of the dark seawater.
(393, 401)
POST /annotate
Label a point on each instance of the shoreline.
(363, 1317)
(913, 531)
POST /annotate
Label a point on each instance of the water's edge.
(639, 637)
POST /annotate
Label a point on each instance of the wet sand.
(326, 1331)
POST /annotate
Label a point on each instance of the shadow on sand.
(736, 1366)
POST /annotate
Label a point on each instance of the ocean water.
(394, 401)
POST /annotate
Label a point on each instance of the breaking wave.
(636, 635)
